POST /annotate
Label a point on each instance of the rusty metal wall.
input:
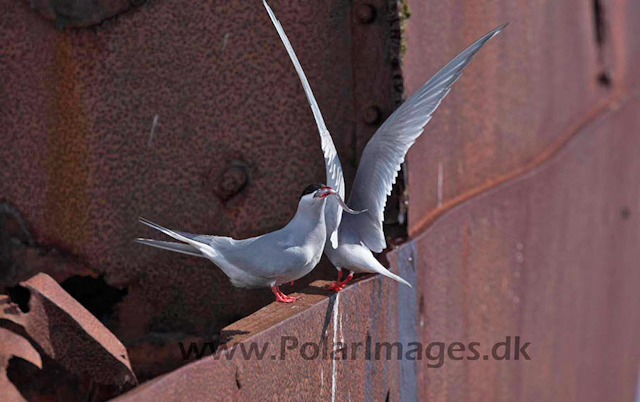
(233, 145)
(551, 256)
(520, 101)
(523, 203)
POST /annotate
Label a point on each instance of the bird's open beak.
(326, 190)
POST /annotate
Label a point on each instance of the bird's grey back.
(277, 252)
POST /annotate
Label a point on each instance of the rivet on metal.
(372, 115)
(625, 212)
(366, 13)
(233, 180)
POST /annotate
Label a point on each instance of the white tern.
(268, 260)
(352, 239)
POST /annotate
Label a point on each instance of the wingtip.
(404, 282)
(267, 6)
(500, 28)
(146, 222)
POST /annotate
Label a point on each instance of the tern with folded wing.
(268, 260)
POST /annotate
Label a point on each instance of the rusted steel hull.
(517, 102)
(522, 192)
(550, 258)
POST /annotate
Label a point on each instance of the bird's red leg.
(347, 279)
(281, 297)
(333, 285)
(338, 285)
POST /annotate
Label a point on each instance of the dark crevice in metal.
(20, 296)
(27, 377)
(395, 222)
(327, 318)
(600, 31)
(599, 21)
(95, 294)
(53, 379)
(238, 384)
(604, 79)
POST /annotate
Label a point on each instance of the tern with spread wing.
(268, 260)
(352, 239)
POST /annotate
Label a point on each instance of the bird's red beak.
(324, 191)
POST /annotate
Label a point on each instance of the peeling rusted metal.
(67, 334)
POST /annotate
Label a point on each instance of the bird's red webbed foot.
(335, 286)
(338, 285)
(281, 297)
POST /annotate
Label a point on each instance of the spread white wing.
(335, 178)
(385, 152)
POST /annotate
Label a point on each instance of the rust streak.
(617, 99)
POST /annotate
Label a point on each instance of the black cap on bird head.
(312, 188)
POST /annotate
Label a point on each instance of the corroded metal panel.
(368, 309)
(551, 257)
(514, 102)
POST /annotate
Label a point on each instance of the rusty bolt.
(233, 180)
(372, 114)
(625, 212)
(366, 13)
